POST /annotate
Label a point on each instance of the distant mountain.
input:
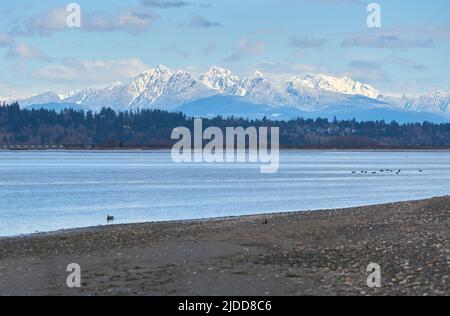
(227, 106)
(435, 102)
(48, 97)
(165, 89)
(219, 91)
(220, 79)
(342, 85)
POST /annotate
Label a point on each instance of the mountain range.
(220, 92)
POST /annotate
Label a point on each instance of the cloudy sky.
(119, 39)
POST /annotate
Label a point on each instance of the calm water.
(46, 191)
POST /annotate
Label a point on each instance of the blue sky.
(281, 38)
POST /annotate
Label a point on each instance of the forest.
(153, 128)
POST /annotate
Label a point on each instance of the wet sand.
(313, 253)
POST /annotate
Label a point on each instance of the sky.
(117, 40)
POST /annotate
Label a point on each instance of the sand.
(313, 253)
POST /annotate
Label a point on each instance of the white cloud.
(199, 21)
(367, 75)
(375, 70)
(128, 20)
(19, 49)
(24, 51)
(395, 38)
(91, 72)
(246, 48)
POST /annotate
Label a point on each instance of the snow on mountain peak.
(343, 85)
(435, 102)
(438, 100)
(439, 95)
(167, 89)
(257, 75)
(157, 76)
(219, 79)
(260, 89)
(47, 97)
(161, 72)
(114, 85)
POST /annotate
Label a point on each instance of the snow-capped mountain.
(435, 102)
(317, 94)
(259, 89)
(220, 79)
(48, 97)
(163, 88)
(342, 85)
(159, 88)
(438, 101)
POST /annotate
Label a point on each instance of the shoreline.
(323, 252)
(112, 225)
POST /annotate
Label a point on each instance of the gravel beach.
(312, 253)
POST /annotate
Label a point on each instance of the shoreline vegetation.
(22, 128)
(306, 253)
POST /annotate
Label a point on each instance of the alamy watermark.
(73, 15)
(374, 278)
(374, 18)
(73, 280)
(238, 145)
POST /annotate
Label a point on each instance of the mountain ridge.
(167, 89)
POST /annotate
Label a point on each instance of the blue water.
(46, 191)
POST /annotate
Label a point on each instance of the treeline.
(153, 128)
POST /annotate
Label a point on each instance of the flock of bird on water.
(383, 171)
